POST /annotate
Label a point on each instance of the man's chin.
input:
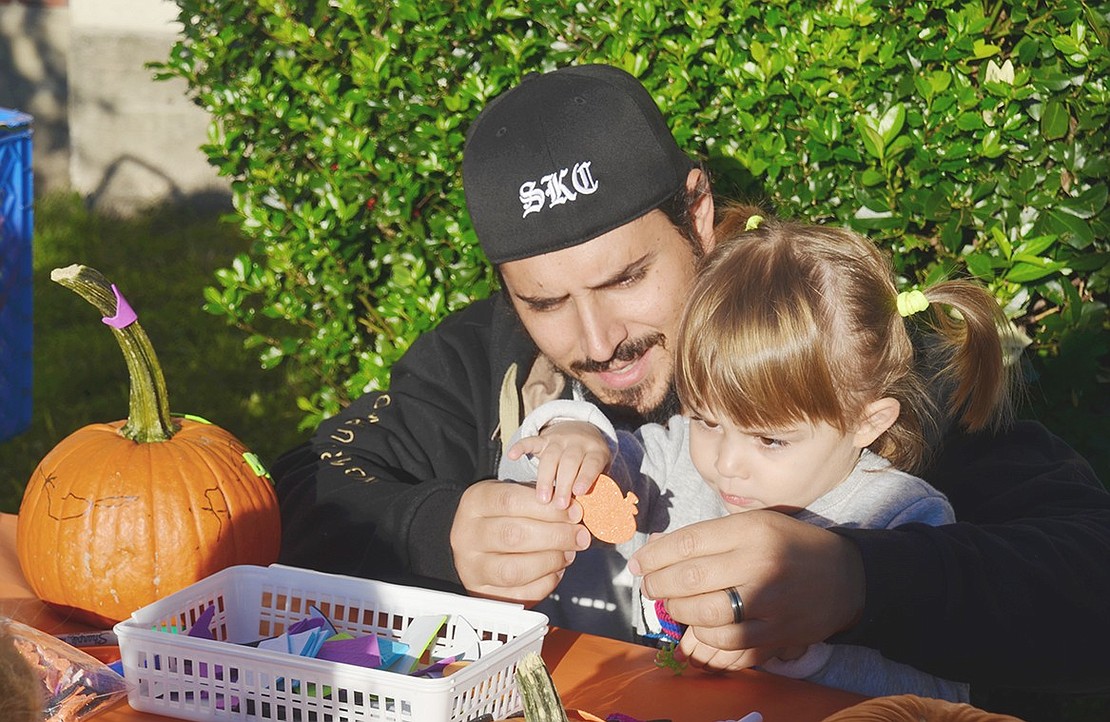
(635, 407)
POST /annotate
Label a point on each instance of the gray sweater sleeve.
(866, 671)
(525, 468)
(874, 496)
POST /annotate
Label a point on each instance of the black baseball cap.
(564, 157)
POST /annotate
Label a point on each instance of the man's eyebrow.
(632, 269)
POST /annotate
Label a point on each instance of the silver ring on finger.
(737, 605)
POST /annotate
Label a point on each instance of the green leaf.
(1071, 229)
(1002, 242)
(872, 140)
(1035, 246)
(872, 177)
(1073, 50)
(1023, 272)
(890, 125)
(980, 265)
(899, 145)
(1090, 262)
(1088, 203)
(1055, 120)
(405, 12)
(969, 121)
(991, 144)
(982, 49)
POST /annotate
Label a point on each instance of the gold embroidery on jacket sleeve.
(335, 458)
(343, 436)
(380, 402)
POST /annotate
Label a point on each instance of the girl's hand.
(571, 455)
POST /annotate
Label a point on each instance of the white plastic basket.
(201, 679)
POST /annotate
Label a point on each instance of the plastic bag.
(46, 679)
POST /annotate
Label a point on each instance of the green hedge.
(965, 136)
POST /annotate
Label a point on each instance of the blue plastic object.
(16, 221)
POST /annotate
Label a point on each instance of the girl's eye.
(705, 422)
(771, 442)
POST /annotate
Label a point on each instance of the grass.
(161, 260)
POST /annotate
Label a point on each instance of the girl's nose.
(731, 459)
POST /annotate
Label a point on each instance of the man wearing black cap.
(596, 219)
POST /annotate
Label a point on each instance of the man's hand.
(799, 583)
(510, 546)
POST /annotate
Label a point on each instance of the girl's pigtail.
(969, 324)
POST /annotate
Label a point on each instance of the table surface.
(595, 674)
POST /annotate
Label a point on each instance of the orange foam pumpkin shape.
(607, 512)
(118, 515)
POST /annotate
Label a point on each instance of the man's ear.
(878, 416)
(697, 183)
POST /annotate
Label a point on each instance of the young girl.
(796, 370)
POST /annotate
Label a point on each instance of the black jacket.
(1016, 593)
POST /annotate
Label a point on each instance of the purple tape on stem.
(125, 316)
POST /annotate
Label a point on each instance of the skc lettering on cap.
(552, 189)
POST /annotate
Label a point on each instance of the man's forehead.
(600, 260)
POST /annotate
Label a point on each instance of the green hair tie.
(911, 302)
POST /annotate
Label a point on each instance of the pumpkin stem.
(148, 416)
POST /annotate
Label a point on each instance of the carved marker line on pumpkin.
(216, 501)
(217, 505)
(72, 506)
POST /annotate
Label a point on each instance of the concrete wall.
(103, 125)
(34, 48)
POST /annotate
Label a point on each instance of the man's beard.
(626, 408)
(629, 416)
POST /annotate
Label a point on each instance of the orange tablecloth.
(591, 673)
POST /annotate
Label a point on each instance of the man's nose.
(601, 330)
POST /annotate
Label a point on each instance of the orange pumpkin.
(118, 515)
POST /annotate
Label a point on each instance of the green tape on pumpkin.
(255, 464)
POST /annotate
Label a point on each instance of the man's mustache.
(627, 351)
